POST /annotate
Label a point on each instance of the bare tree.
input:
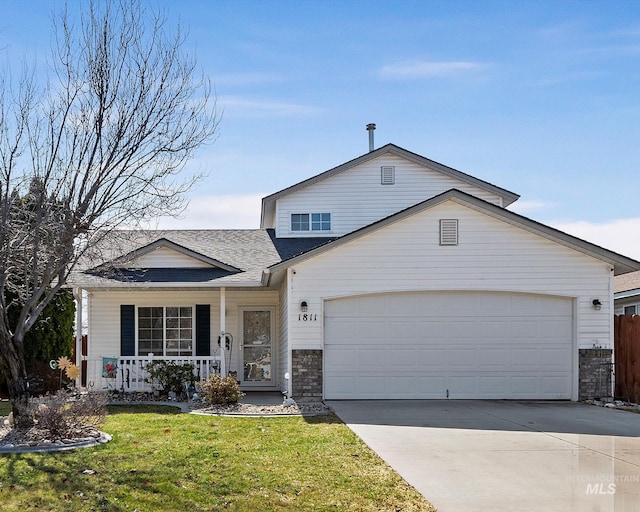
(101, 144)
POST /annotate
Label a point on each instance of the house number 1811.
(307, 317)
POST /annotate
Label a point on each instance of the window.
(165, 331)
(320, 222)
(299, 222)
(630, 310)
(310, 222)
(448, 231)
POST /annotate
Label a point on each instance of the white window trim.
(164, 328)
(311, 231)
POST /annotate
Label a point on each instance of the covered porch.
(218, 331)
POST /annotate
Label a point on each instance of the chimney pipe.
(370, 128)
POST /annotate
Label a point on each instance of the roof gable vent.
(448, 231)
(387, 175)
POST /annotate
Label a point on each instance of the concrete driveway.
(472, 455)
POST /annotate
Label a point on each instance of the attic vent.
(448, 231)
(387, 175)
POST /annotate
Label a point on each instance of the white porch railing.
(130, 374)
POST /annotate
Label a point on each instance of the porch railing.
(130, 374)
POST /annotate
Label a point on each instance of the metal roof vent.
(370, 128)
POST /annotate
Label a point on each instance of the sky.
(539, 97)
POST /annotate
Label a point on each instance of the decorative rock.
(610, 405)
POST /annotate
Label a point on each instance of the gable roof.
(240, 256)
(626, 285)
(621, 264)
(268, 202)
(163, 242)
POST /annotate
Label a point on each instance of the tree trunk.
(16, 374)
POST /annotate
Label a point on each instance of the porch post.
(77, 293)
(223, 328)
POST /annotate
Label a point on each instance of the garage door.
(449, 345)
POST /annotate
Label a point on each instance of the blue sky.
(539, 97)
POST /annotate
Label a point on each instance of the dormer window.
(310, 222)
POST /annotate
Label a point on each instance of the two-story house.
(390, 276)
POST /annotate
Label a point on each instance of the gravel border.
(57, 446)
(239, 409)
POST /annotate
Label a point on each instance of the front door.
(257, 347)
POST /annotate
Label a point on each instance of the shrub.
(170, 376)
(221, 390)
(64, 415)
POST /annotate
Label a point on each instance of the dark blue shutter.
(127, 330)
(203, 330)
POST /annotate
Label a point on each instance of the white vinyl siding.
(165, 257)
(355, 197)
(104, 329)
(494, 256)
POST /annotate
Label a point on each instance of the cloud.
(526, 207)
(427, 69)
(619, 235)
(271, 108)
(217, 212)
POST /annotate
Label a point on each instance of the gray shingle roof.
(249, 250)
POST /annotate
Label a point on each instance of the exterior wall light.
(304, 306)
(597, 305)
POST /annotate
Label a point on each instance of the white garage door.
(449, 344)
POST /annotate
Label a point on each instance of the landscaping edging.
(305, 409)
(57, 446)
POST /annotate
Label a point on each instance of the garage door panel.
(554, 385)
(462, 359)
(492, 385)
(555, 329)
(524, 385)
(432, 329)
(462, 385)
(469, 344)
(488, 330)
(432, 357)
(494, 359)
(462, 329)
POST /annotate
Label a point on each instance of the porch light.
(597, 305)
(304, 306)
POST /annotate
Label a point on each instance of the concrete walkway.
(512, 456)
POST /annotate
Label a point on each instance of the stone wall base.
(595, 373)
(306, 373)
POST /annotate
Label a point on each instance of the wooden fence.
(626, 340)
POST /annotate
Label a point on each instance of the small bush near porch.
(160, 460)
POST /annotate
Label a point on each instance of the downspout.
(289, 381)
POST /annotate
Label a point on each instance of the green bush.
(219, 391)
(169, 376)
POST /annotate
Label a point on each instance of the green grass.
(162, 460)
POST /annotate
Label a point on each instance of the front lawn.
(161, 460)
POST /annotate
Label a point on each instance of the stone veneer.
(306, 372)
(595, 373)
